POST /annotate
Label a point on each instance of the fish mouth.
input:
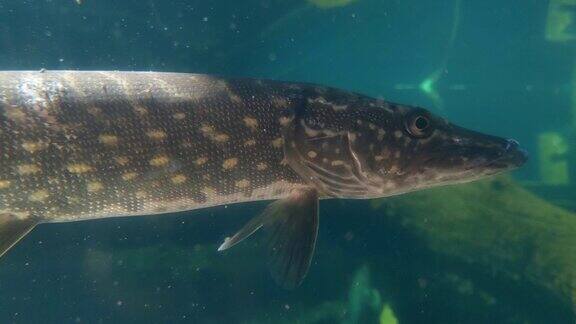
(494, 154)
(511, 157)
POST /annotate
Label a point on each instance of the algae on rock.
(497, 227)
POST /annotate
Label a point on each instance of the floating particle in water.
(325, 4)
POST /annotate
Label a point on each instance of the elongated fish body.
(82, 145)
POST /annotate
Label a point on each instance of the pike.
(85, 145)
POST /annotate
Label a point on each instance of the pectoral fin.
(13, 228)
(291, 227)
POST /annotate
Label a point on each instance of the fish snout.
(516, 152)
(511, 156)
(511, 144)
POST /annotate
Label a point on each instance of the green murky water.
(499, 251)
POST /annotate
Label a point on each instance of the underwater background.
(501, 250)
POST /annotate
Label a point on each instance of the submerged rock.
(497, 240)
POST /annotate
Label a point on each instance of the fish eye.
(419, 125)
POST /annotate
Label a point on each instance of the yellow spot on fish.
(94, 186)
(94, 111)
(279, 102)
(312, 154)
(242, 184)
(33, 147)
(250, 142)
(15, 212)
(108, 139)
(39, 195)
(398, 134)
(206, 129)
(378, 158)
(178, 179)
(4, 184)
(140, 110)
(121, 160)
(389, 185)
(129, 176)
(262, 166)
(159, 160)
(27, 169)
(230, 163)
(79, 168)
(311, 132)
(221, 85)
(277, 143)
(156, 134)
(337, 163)
(209, 192)
(201, 160)
(221, 138)
(381, 134)
(14, 113)
(210, 132)
(73, 199)
(140, 194)
(371, 126)
(251, 123)
(179, 115)
(339, 107)
(235, 98)
(284, 120)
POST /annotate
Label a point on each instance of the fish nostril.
(511, 144)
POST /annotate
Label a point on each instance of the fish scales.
(80, 145)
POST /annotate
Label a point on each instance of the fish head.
(411, 149)
(353, 146)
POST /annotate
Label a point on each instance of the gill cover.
(325, 156)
